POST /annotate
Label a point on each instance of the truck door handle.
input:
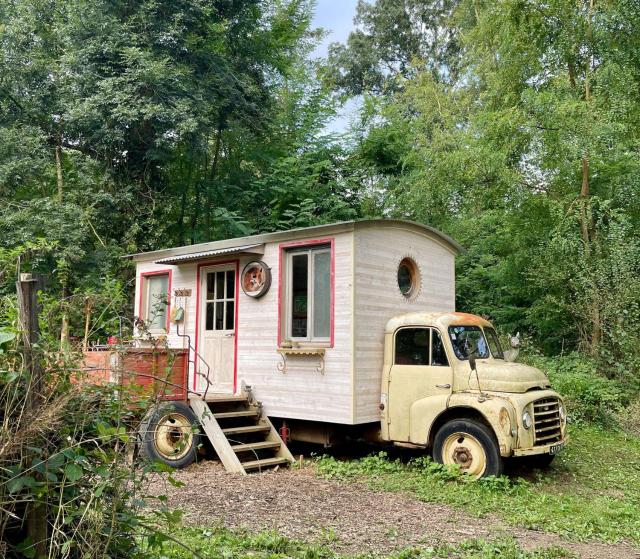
(443, 386)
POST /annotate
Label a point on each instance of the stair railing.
(197, 358)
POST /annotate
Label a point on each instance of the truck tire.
(170, 434)
(469, 444)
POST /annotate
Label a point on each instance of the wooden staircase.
(240, 432)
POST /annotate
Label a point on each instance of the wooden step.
(222, 398)
(246, 429)
(230, 414)
(266, 462)
(255, 446)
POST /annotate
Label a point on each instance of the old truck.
(332, 332)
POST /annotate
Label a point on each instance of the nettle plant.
(71, 483)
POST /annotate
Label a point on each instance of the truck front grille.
(546, 421)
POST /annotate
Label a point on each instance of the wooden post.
(28, 324)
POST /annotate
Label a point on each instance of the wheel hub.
(173, 436)
(465, 451)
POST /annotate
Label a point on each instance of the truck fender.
(422, 414)
(498, 414)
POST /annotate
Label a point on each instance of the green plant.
(592, 491)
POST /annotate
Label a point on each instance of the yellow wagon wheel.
(171, 435)
(466, 451)
(469, 444)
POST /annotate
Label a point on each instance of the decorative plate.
(256, 279)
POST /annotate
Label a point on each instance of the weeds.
(220, 542)
(591, 492)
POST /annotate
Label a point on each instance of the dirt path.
(349, 518)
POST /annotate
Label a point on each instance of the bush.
(589, 395)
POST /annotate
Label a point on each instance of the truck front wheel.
(470, 445)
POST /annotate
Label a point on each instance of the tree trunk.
(214, 171)
(586, 218)
(58, 151)
(36, 521)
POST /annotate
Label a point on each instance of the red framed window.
(155, 299)
(307, 292)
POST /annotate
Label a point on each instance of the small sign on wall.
(182, 292)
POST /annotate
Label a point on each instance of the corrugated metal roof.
(299, 233)
(208, 253)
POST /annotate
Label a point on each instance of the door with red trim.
(217, 328)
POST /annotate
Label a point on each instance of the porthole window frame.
(415, 277)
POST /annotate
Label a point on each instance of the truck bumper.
(554, 448)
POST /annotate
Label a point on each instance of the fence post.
(26, 288)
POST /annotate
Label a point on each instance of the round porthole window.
(408, 277)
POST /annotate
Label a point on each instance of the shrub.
(589, 395)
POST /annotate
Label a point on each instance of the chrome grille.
(546, 421)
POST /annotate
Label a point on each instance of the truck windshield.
(466, 339)
(494, 343)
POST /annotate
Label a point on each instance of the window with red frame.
(307, 294)
(155, 300)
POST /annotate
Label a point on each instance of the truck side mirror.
(472, 361)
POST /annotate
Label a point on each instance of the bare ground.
(350, 518)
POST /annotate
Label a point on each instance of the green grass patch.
(217, 543)
(592, 491)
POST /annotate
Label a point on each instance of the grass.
(592, 490)
(220, 543)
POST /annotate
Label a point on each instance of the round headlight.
(563, 413)
(526, 420)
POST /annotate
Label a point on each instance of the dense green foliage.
(591, 492)
(512, 126)
(527, 154)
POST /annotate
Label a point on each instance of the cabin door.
(217, 328)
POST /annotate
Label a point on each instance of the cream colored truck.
(446, 385)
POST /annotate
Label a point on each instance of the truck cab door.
(420, 369)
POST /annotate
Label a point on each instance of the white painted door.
(217, 327)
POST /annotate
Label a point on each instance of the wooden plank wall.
(379, 250)
(301, 392)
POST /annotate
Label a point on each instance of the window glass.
(231, 283)
(157, 299)
(209, 321)
(494, 343)
(299, 295)
(466, 339)
(412, 346)
(438, 353)
(408, 277)
(230, 310)
(321, 294)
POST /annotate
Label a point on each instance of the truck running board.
(240, 433)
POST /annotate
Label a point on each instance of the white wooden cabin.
(311, 346)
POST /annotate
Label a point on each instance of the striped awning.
(189, 257)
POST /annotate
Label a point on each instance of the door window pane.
(321, 294)
(230, 311)
(438, 353)
(231, 284)
(299, 295)
(412, 346)
(157, 299)
(209, 321)
(211, 286)
(219, 285)
(220, 315)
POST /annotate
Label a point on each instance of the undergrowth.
(592, 491)
(214, 543)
